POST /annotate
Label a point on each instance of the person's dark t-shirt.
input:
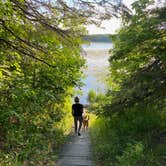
(77, 109)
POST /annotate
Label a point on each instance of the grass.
(134, 138)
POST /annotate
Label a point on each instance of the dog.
(85, 122)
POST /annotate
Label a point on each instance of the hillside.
(98, 38)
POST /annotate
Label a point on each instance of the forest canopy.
(137, 61)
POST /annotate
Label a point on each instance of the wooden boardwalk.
(77, 152)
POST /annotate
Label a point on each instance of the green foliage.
(131, 155)
(96, 101)
(91, 96)
(138, 59)
(129, 139)
(131, 126)
(39, 65)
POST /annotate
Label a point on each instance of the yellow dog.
(85, 121)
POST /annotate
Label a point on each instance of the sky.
(108, 26)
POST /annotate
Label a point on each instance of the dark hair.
(76, 99)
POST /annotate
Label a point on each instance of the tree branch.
(24, 52)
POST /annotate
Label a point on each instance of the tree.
(138, 59)
(39, 64)
(91, 96)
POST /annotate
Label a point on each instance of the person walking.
(77, 111)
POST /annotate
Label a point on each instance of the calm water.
(97, 45)
(97, 68)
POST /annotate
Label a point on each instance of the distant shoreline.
(104, 38)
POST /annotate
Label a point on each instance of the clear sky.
(108, 26)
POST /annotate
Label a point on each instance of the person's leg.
(80, 124)
(75, 124)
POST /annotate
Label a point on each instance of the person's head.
(76, 99)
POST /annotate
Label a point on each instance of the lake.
(97, 45)
(97, 68)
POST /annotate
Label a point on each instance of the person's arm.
(82, 110)
(72, 112)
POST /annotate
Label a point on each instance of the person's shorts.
(78, 118)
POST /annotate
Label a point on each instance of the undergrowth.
(38, 144)
(132, 138)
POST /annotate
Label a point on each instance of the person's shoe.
(79, 134)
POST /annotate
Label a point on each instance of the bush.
(127, 139)
(131, 155)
